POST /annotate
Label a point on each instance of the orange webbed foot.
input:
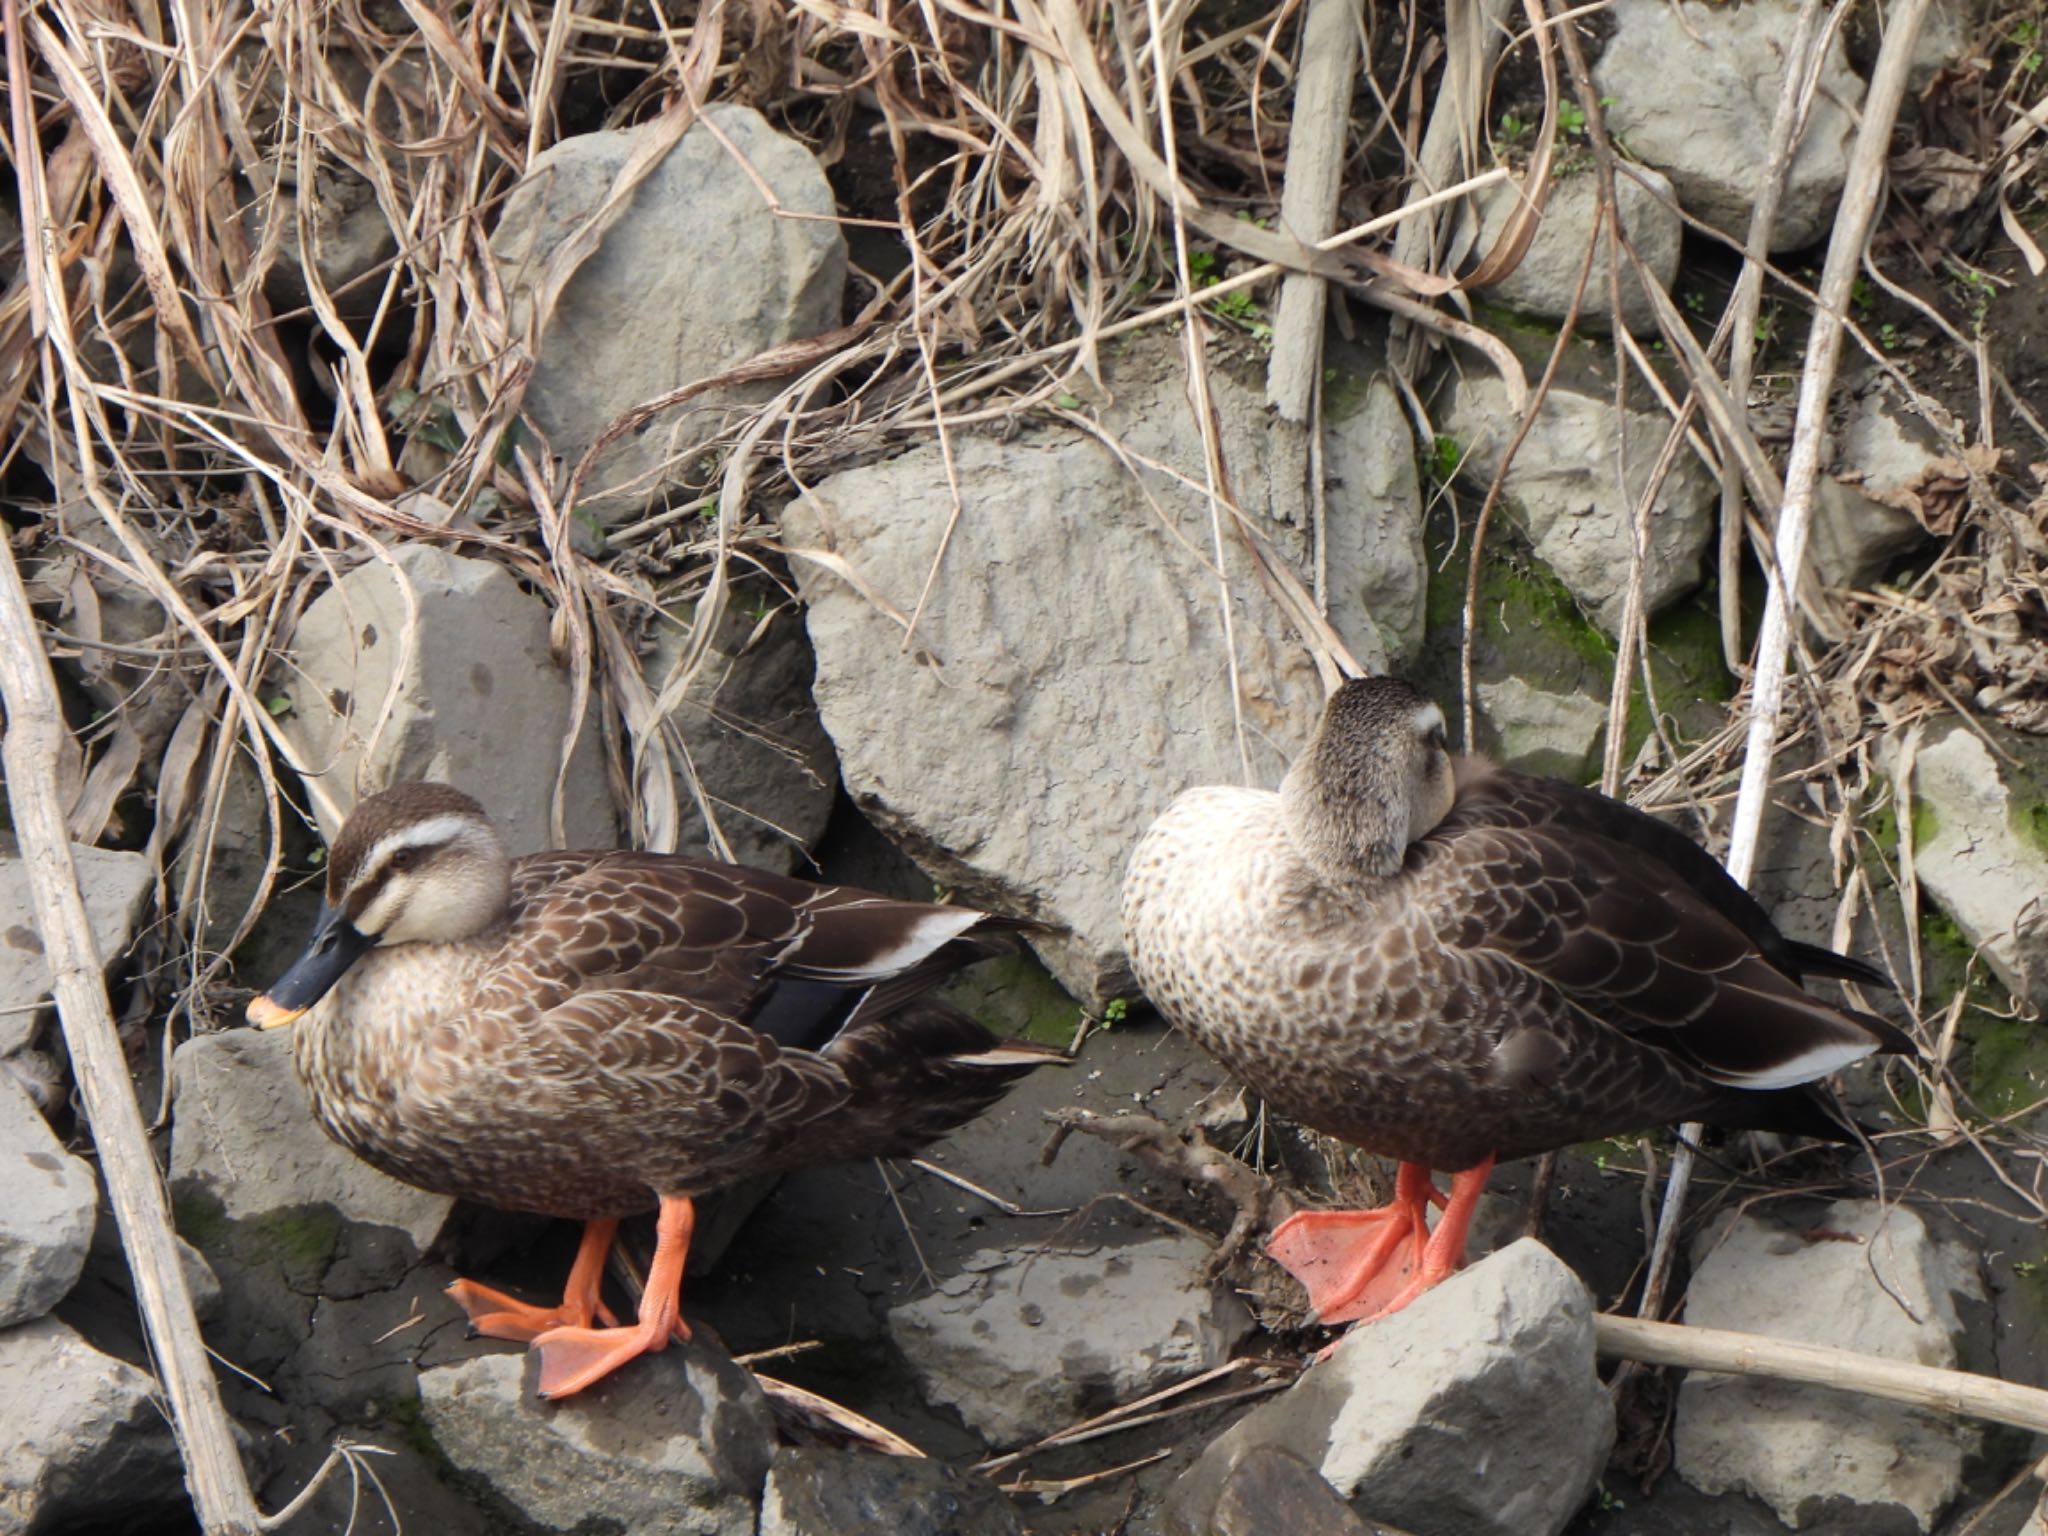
(496, 1315)
(572, 1358)
(1365, 1265)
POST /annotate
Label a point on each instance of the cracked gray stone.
(1890, 1289)
(1474, 1411)
(1024, 1342)
(46, 1221)
(674, 1444)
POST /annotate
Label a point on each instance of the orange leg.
(1367, 1264)
(496, 1315)
(572, 1358)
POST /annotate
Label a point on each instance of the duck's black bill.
(334, 947)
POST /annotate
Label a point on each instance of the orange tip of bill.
(265, 1014)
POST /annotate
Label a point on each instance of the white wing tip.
(1808, 1066)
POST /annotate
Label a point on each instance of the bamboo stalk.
(1860, 198)
(1960, 1393)
(1308, 201)
(213, 1468)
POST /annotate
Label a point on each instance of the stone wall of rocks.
(1005, 655)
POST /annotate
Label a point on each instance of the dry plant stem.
(1767, 684)
(1961, 1393)
(1481, 26)
(213, 1470)
(1258, 1200)
(1743, 306)
(1308, 203)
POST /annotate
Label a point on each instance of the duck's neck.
(1351, 839)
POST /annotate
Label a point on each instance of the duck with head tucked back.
(1448, 963)
(595, 1034)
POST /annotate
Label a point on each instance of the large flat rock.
(1073, 666)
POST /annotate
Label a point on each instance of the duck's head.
(417, 864)
(1375, 778)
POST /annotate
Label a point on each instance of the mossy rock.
(1531, 628)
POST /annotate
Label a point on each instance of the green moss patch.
(2004, 1061)
(1531, 627)
(1015, 995)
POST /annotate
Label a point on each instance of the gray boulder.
(1862, 513)
(1024, 1342)
(676, 1444)
(1373, 559)
(752, 739)
(46, 1221)
(1566, 494)
(1069, 673)
(85, 1439)
(1541, 731)
(1474, 1411)
(1543, 284)
(459, 657)
(1889, 1290)
(1694, 88)
(115, 887)
(1979, 849)
(838, 1493)
(698, 271)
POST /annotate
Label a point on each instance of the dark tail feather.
(1892, 1040)
(915, 1075)
(1816, 960)
(1808, 1110)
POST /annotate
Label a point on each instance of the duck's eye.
(405, 859)
(1438, 740)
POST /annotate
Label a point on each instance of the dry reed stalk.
(1845, 247)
